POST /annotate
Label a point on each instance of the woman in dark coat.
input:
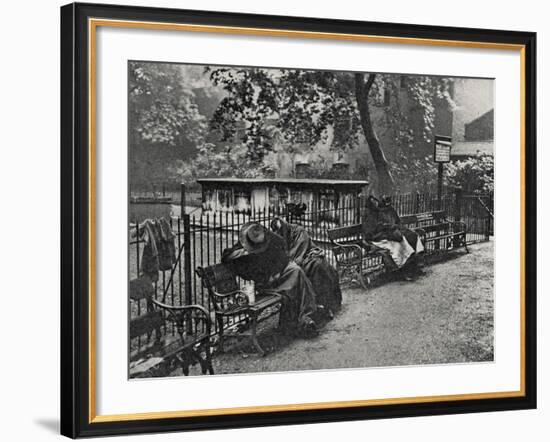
(260, 256)
(382, 227)
(301, 249)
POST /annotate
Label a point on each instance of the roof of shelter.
(295, 182)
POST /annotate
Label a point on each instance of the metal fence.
(476, 210)
(201, 238)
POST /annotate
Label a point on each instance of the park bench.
(436, 231)
(190, 344)
(355, 260)
(232, 307)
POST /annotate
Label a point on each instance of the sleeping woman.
(382, 228)
(301, 249)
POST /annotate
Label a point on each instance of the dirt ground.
(445, 315)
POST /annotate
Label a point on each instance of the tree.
(164, 112)
(362, 89)
(164, 118)
(300, 106)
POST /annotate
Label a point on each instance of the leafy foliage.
(474, 174)
(263, 106)
(233, 162)
(296, 105)
(163, 112)
(409, 114)
(414, 173)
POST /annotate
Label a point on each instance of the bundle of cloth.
(159, 253)
(382, 228)
(261, 256)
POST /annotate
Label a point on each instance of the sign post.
(442, 154)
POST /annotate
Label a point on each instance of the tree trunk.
(362, 88)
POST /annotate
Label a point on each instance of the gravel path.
(443, 316)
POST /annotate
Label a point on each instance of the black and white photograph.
(285, 219)
(274, 221)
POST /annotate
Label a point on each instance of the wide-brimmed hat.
(254, 237)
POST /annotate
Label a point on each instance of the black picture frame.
(76, 418)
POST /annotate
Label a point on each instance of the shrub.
(475, 174)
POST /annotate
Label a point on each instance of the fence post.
(439, 184)
(187, 258)
(187, 275)
(456, 212)
(183, 200)
(487, 220)
(458, 198)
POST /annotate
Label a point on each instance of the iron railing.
(200, 238)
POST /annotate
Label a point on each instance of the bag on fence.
(149, 258)
(166, 246)
(159, 253)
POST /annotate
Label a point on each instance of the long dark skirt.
(298, 297)
(324, 280)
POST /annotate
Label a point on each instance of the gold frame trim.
(93, 24)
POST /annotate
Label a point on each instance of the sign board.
(442, 149)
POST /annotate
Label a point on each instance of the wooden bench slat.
(449, 235)
(264, 302)
(233, 310)
(344, 232)
(423, 217)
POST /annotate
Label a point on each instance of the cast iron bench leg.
(360, 278)
(209, 360)
(465, 244)
(206, 363)
(219, 320)
(254, 334)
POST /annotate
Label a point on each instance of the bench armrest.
(190, 307)
(337, 244)
(224, 302)
(227, 294)
(236, 296)
(179, 313)
(348, 251)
